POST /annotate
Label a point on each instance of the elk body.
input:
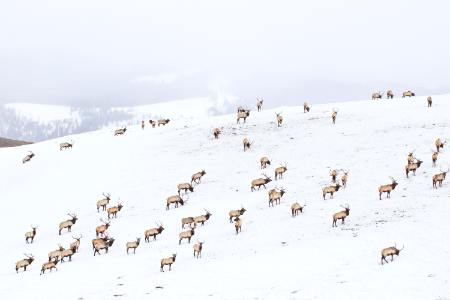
(153, 123)
(176, 200)
(102, 228)
(75, 245)
(341, 215)
(306, 107)
(203, 218)
(185, 187)
(243, 115)
(216, 132)
(275, 195)
(260, 182)
(103, 203)
(247, 144)
(67, 253)
(143, 125)
(187, 234)
(390, 94)
(413, 167)
(264, 161)
(330, 189)
(241, 109)
(279, 118)
(430, 101)
(377, 95)
(114, 210)
(49, 265)
(68, 223)
(439, 144)
(24, 263)
(120, 131)
(198, 248)
(259, 104)
(30, 234)
(163, 122)
(408, 94)
(197, 177)
(439, 178)
(387, 188)
(168, 261)
(236, 213)
(66, 145)
(333, 175)
(104, 245)
(56, 253)
(434, 158)
(334, 115)
(133, 245)
(344, 178)
(280, 171)
(153, 232)
(390, 251)
(295, 208)
(238, 224)
(188, 220)
(28, 157)
(100, 240)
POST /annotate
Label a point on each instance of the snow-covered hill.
(276, 256)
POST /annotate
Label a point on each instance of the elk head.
(201, 244)
(397, 251)
(247, 111)
(182, 201)
(119, 205)
(394, 183)
(444, 172)
(335, 111)
(107, 224)
(267, 179)
(111, 241)
(208, 214)
(345, 172)
(71, 143)
(31, 154)
(30, 257)
(108, 197)
(278, 114)
(242, 210)
(160, 226)
(74, 217)
(78, 239)
(347, 209)
(61, 248)
(192, 229)
(381, 95)
(282, 191)
(34, 228)
(124, 128)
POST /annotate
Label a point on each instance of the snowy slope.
(275, 256)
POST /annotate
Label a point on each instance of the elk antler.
(31, 255)
(103, 221)
(393, 180)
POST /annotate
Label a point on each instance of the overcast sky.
(287, 52)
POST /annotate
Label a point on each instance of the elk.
(295, 208)
(197, 176)
(388, 188)
(198, 248)
(152, 122)
(153, 232)
(434, 158)
(260, 182)
(238, 224)
(187, 234)
(216, 132)
(439, 178)
(143, 125)
(120, 131)
(49, 265)
(113, 210)
(24, 263)
(133, 245)
(241, 109)
(411, 158)
(236, 213)
(390, 251)
(28, 157)
(334, 115)
(163, 122)
(247, 144)
(413, 167)
(439, 144)
(264, 161)
(330, 189)
(176, 200)
(276, 196)
(104, 245)
(279, 118)
(168, 261)
(102, 228)
(390, 94)
(188, 220)
(243, 115)
(68, 223)
(408, 94)
(333, 175)
(344, 178)
(67, 253)
(430, 101)
(306, 107)
(66, 145)
(103, 203)
(76, 244)
(341, 215)
(100, 240)
(203, 218)
(280, 171)
(185, 187)
(259, 104)
(56, 253)
(377, 95)
(31, 234)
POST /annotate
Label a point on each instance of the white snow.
(276, 256)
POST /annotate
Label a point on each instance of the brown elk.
(408, 94)
(439, 178)
(279, 118)
(413, 167)
(377, 95)
(264, 161)
(344, 178)
(102, 228)
(295, 208)
(434, 158)
(66, 145)
(260, 182)
(67, 253)
(197, 177)
(280, 171)
(203, 218)
(236, 213)
(163, 122)
(152, 122)
(390, 94)
(28, 157)
(133, 245)
(168, 261)
(120, 131)
(238, 224)
(185, 187)
(276, 196)
(68, 223)
(75, 245)
(31, 234)
(241, 109)
(306, 107)
(259, 105)
(439, 144)
(143, 125)
(114, 210)
(390, 251)
(198, 248)
(247, 144)
(430, 101)
(333, 175)
(104, 245)
(216, 132)
(411, 158)
(341, 215)
(334, 115)
(330, 189)
(24, 263)
(176, 200)
(103, 203)
(188, 220)
(153, 232)
(388, 188)
(187, 234)
(243, 115)
(56, 253)
(100, 240)
(49, 265)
